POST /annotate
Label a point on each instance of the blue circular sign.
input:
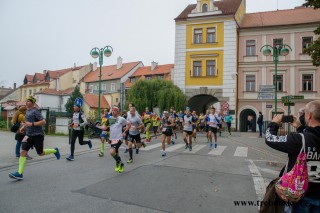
(78, 101)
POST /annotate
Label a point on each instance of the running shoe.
(90, 144)
(101, 154)
(215, 145)
(16, 176)
(172, 142)
(144, 144)
(57, 154)
(137, 151)
(210, 145)
(129, 161)
(70, 158)
(186, 146)
(121, 168)
(29, 158)
(117, 167)
(195, 140)
(190, 148)
(163, 154)
(126, 151)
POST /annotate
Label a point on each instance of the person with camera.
(292, 144)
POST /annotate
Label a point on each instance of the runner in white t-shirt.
(213, 122)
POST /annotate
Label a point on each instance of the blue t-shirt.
(34, 115)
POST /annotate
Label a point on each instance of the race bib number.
(164, 129)
(115, 141)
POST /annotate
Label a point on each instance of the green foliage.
(75, 94)
(3, 124)
(156, 93)
(314, 49)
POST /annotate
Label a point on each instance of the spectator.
(260, 124)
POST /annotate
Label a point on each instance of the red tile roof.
(39, 77)
(227, 7)
(299, 15)
(159, 70)
(28, 79)
(92, 101)
(35, 84)
(110, 72)
(48, 91)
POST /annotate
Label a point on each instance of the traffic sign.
(297, 97)
(289, 104)
(78, 101)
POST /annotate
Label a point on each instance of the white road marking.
(241, 152)
(195, 149)
(153, 146)
(217, 151)
(258, 180)
(270, 171)
(174, 147)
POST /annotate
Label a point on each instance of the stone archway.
(200, 103)
(243, 125)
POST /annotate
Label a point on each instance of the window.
(250, 47)
(160, 77)
(211, 68)
(132, 80)
(30, 92)
(117, 100)
(104, 87)
(307, 82)
(148, 77)
(204, 8)
(250, 83)
(91, 89)
(113, 87)
(279, 82)
(277, 42)
(211, 35)
(97, 87)
(25, 93)
(306, 42)
(197, 36)
(197, 67)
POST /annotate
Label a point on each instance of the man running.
(187, 121)
(166, 129)
(79, 120)
(194, 125)
(174, 117)
(147, 123)
(155, 124)
(220, 118)
(34, 137)
(134, 124)
(213, 126)
(116, 123)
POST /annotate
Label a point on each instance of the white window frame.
(113, 87)
(313, 81)
(214, 34)
(254, 49)
(90, 88)
(96, 87)
(245, 82)
(104, 87)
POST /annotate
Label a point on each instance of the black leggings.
(77, 134)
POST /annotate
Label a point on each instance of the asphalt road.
(203, 180)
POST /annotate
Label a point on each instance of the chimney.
(119, 63)
(14, 85)
(45, 72)
(74, 65)
(154, 65)
(95, 65)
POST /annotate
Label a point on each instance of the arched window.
(204, 8)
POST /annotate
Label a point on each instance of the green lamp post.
(95, 53)
(276, 51)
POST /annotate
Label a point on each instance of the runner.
(147, 123)
(213, 126)
(104, 133)
(202, 122)
(134, 124)
(116, 123)
(127, 133)
(220, 118)
(34, 137)
(174, 117)
(195, 125)
(79, 120)
(155, 124)
(206, 118)
(187, 121)
(228, 120)
(166, 129)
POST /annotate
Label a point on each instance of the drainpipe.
(237, 78)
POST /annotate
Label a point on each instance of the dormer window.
(204, 8)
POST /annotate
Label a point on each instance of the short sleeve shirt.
(34, 115)
(116, 125)
(135, 123)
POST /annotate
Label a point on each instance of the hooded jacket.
(292, 144)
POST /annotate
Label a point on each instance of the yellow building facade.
(206, 52)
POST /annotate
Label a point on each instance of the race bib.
(25, 139)
(164, 129)
(75, 125)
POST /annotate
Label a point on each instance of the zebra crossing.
(180, 147)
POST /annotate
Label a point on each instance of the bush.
(3, 124)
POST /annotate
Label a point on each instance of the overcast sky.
(39, 35)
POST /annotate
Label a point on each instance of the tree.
(314, 49)
(156, 93)
(70, 103)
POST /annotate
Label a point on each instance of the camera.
(287, 119)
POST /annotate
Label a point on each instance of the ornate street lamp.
(95, 53)
(276, 50)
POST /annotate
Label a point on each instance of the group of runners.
(117, 128)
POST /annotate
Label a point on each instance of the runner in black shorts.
(166, 129)
(34, 137)
(187, 121)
